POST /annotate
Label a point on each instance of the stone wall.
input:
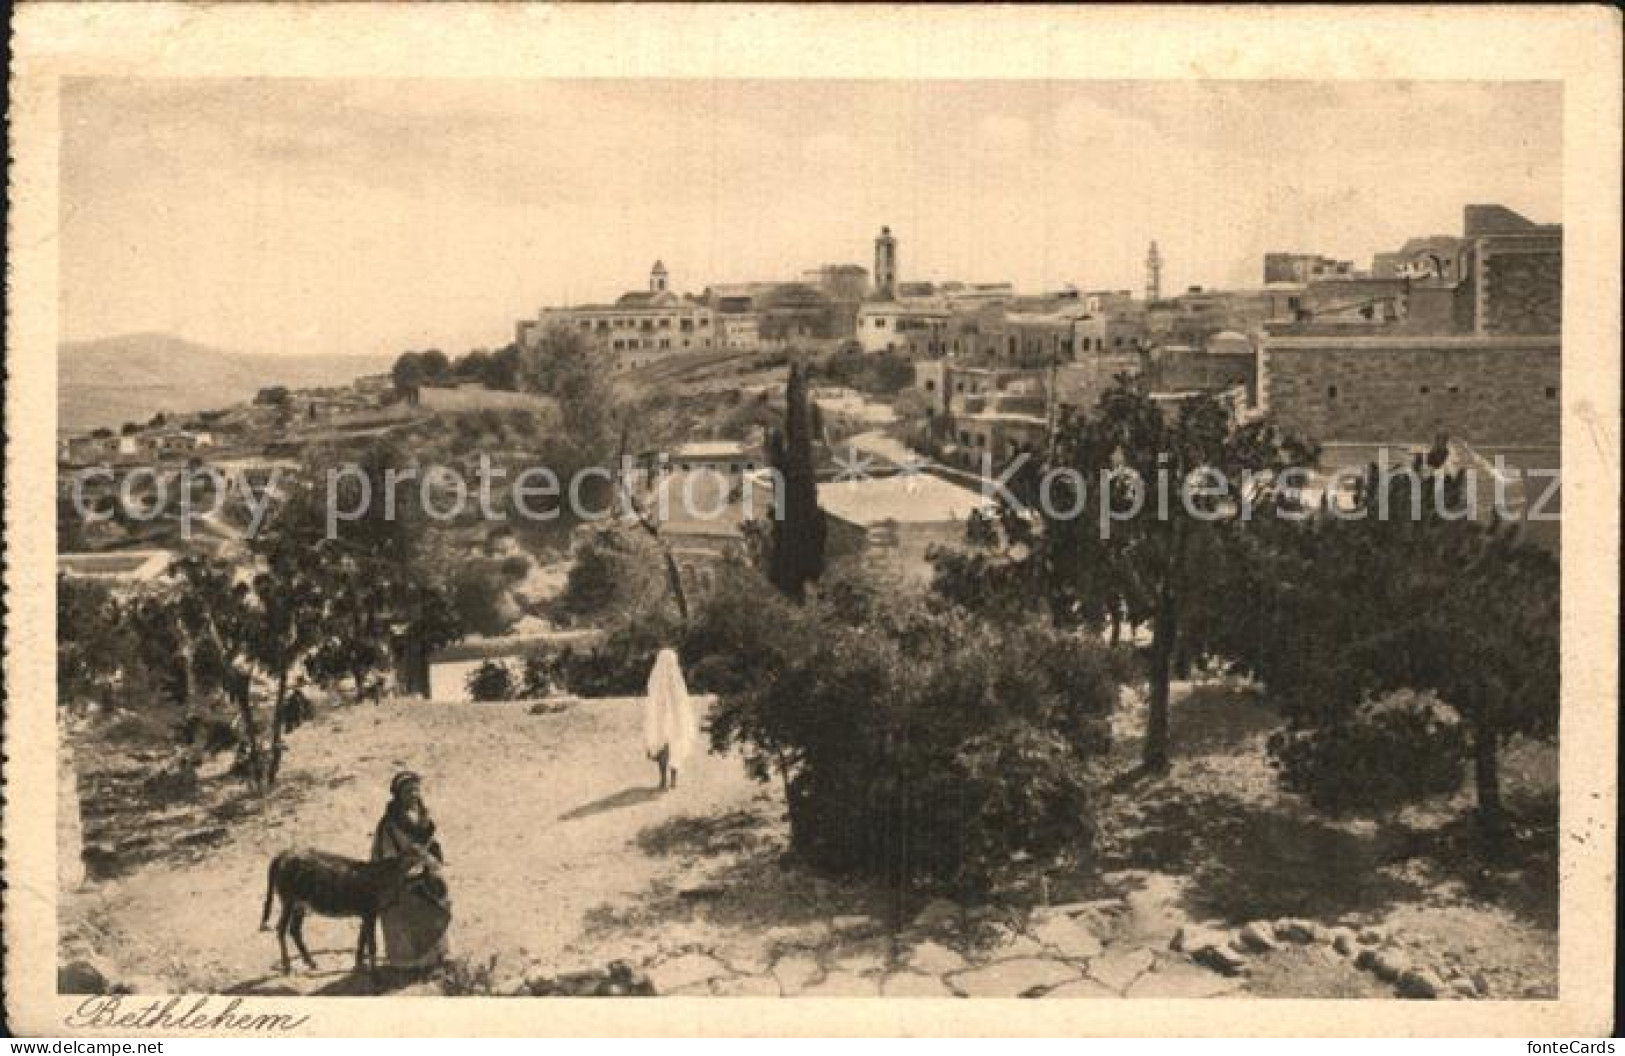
(1484, 390)
(1524, 292)
(1208, 371)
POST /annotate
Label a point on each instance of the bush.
(541, 675)
(492, 680)
(614, 570)
(619, 664)
(916, 742)
(479, 596)
(1390, 752)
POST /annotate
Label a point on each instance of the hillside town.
(936, 718)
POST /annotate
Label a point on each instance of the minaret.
(886, 265)
(657, 278)
(1153, 274)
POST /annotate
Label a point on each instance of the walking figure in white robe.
(669, 726)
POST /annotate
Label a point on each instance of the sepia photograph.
(933, 536)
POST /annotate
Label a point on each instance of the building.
(741, 331)
(843, 408)
(773, 316)
(999, 426)
(840, 282)
(729, 459)
(885, 265)
(888, 525)
(1306, 267)
(910, 327)
(655, 321)
(1153, 273)
(1339, 385)
(969, 296)
(1475, 356)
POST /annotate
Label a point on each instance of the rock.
(795, 972)
(143, 984)
(1104, 917)
(746, 959)
(803, 937)
(701, 989)
(1373, 936)
(510, 982)
(938, 914)
(1015, 978)
(1192, 937)
(934, 958)
(843, 984)
(1343, 940)
(1120, 966)
(867, 958)
(1294, 930)
(629, 980)
(686, 970)
(997, 941)
(1152, 915)
(1066, 936)
(1257, 936)
(1420, 985)
(1174, 978)
(1464, 988)
(1389, 965)
(1365, 959)
(913, 984)
(82, 975)
(1097, 906)
(1082, 988)
(854, 925)
(747, 986)
(1225, 959)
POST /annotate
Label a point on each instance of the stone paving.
(1140, 945)
(1087, 949)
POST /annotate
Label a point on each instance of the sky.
(371, 216)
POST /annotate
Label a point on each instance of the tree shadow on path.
(626, 797)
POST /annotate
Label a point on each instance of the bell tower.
(657, 278)
(886, 265)
(1153, 273)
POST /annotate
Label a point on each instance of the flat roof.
(708, 449)
(908, 498)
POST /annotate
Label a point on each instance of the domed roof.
(1229, 341)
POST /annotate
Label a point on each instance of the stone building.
(840, 282)
(889, 525)
(1340, 386)
(1305, 267)
(654, 320)
(1475, 358)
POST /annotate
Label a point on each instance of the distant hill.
(114, 380)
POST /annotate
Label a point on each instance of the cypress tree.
(797, 555)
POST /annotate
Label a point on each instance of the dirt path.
(538, 814)
(562, 857)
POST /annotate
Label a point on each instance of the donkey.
(331, 885)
